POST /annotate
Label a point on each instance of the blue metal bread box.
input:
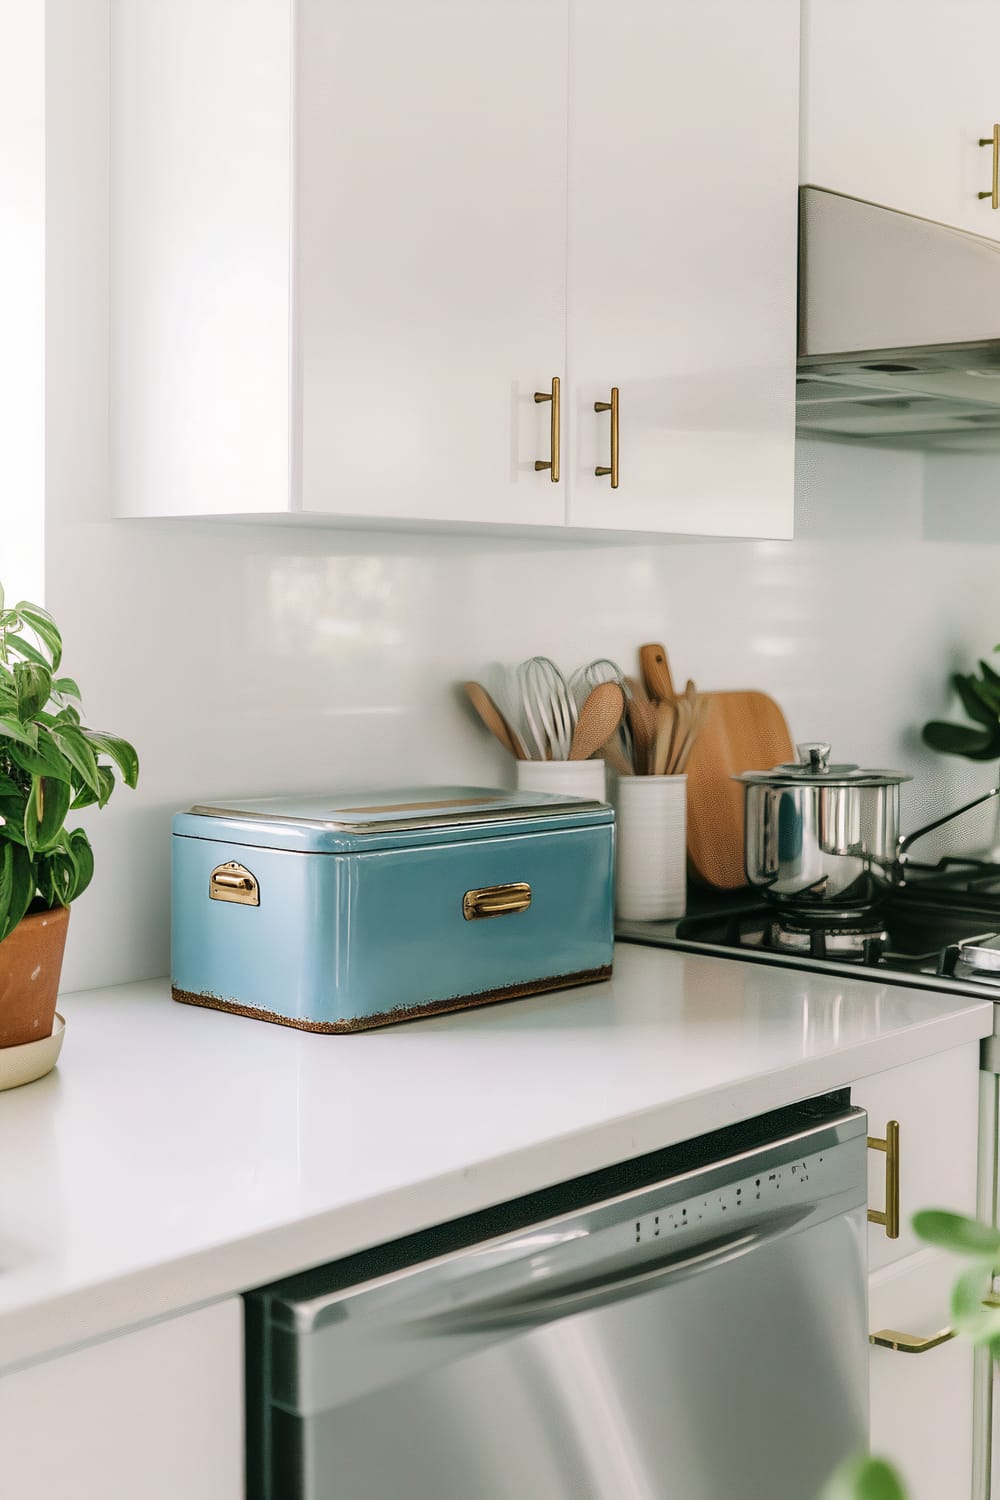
(343, 912)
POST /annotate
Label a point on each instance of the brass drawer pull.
(234, 882)
(994, 141)
(553, 462)
(495, 901)
(612, 407)
(909, 1343)
(890, 1145)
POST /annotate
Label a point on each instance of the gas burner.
(975, 958)
(860, 941)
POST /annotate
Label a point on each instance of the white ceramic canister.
(650, 847)
(577, 778)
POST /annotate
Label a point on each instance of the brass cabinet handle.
(553, 463)
(496, 901)
(234, 882)
(890, 1145)
(612, 407)
(994, 141)
(909, 1343)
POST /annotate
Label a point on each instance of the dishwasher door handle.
(531, 1306)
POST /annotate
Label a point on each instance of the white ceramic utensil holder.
(577, 778)
(651, 847)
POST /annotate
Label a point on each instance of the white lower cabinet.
(935, 1102)
(921, 1403)
(154, 1414)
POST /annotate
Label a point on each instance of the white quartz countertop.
(178, 1155)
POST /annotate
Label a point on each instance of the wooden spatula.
(656, 673)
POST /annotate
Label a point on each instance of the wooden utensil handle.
(656, 672)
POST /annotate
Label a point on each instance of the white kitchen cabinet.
(936, 1104)
(341, 241)
(154, 1414)
(897, 95)
(682, 270)
(338, 256)
(921, 1403)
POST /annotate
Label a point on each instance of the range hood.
(899, 328)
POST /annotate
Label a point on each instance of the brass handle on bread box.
(234, 882)
(496, 901)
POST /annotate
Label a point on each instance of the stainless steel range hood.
(899, 328)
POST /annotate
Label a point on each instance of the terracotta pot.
(30, 966)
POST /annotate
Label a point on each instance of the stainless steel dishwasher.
(690, 1325)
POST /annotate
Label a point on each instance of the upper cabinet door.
(682, 223)
(897, 95)
(201, 173)
(430, 257)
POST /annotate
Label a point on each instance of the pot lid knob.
(815, 756)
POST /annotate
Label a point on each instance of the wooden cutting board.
(744, 731)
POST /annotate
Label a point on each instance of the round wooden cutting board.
(744, 731)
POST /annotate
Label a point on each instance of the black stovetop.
(913, 936)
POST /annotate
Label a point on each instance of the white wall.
(22, 296)
(257, 659)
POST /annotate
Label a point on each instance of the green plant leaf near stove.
(50, 765)
(979, 693)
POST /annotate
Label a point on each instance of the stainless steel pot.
(821, 838)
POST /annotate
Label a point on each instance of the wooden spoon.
(666, 724)
(656, 673)
(599, 717)
(641, 715)
(494, 720)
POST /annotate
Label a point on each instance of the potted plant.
(979, 693)
(50, 765)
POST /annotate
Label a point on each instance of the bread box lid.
(352, 822)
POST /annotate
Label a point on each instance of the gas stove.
(939, 930)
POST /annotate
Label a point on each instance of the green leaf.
(32, 683)
(960, 739)
(56, 877)
(863, 1478)
(987, 693)
(86, 798)
(46, 759)
(76, 747)
(12, 815)
(973, 704)
(21, 734)
(956, 1232)
(976, 1323)
(67, 688)
(989, 673)
(44, 627)
(120, 751)
(78, 845)
(17, 886)
(21, 647)
(45, 813)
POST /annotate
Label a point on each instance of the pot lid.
(813, 768)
